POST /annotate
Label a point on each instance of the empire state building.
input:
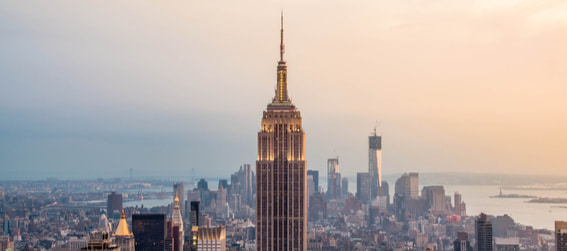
(281, 196)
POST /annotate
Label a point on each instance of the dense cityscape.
(275, 204)
(63, 215)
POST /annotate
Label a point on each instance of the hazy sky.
(93, 88)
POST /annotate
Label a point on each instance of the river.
(477, 198)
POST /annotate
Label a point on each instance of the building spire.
(122, 229)
(281, 96)
(282, 46)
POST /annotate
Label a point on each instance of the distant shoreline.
(549, 200)
(513, 196)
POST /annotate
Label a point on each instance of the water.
(149, 203)
(477, 197)
(538, 215)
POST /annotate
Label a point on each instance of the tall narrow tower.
(179, 191)
(281, 174)
(178, 222)
(333, 179)
(483, 229)
(375, 163)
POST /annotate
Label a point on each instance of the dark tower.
(560, 235)
(194, 215)
(114, 205)
(281, 174)
(315, 175)
(483, 229)
(150, 231)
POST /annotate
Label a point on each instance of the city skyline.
(483, 86)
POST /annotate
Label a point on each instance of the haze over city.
(91, 90)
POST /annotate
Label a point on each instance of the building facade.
(100, 241)
(408, 185)
(344, 187)
(178, 222)
(460, 206)
(483, 229)
(281, 174)
(317, 207)
(333, 179)
(113, 204)
(122, 237)
(208, 238)
(195, 214)
(561, 235)
(315, 175)
(434, 199)
(462, 242)
(244, 183)
(150, 231)
(363, 182)
(507, 244)
(6, 243)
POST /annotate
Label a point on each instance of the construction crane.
(376, 125)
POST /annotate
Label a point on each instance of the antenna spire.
(282, 46)
(281, 88)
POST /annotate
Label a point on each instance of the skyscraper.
(483, 229)
(310, 188)
(462, 242)
(344, 187)
(375, 163)
(434, 199)
(561, 235)
(178, 222)
(281, 200)
(194, 214)
(460, 206)
(317, 207)
(315, 175)
(223, 183)
(114, 204)
(203, 185)
(172, 237)
(179, 191)
(408, 185)
(333, 179)
(363, 187)
(192, 195)
(221, 202)
(406, 198)
(243, 183)
(150, 231)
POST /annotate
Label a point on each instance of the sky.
(93, 88)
